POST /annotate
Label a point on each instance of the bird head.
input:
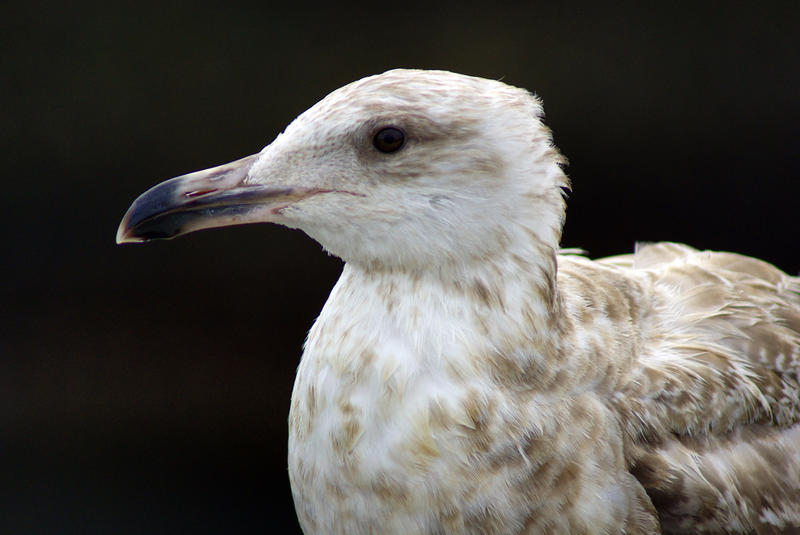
(406, 169)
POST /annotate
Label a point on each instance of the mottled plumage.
(464, 377)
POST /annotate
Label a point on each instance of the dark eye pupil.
(389, 139)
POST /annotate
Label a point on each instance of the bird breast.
(413, 425)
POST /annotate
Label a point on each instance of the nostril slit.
(199, 192)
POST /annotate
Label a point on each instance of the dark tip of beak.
(216, 197)
(178, 205)
(149, 235)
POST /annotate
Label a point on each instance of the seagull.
(467, 376)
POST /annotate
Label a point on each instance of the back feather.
(713, 406)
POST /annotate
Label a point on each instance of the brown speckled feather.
(712, 410)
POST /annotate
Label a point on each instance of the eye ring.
(389, 139)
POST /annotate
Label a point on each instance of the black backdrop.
(145, 389)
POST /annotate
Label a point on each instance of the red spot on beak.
(199, 192)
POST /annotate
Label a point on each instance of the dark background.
(144, 389)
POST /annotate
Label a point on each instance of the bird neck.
(496, 316)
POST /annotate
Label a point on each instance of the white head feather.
(477, 165)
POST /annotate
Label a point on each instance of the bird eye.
(389, 139)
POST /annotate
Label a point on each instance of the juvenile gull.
(465, 377)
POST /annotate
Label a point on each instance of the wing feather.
(711, 402)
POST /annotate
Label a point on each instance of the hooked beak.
(216, 197)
